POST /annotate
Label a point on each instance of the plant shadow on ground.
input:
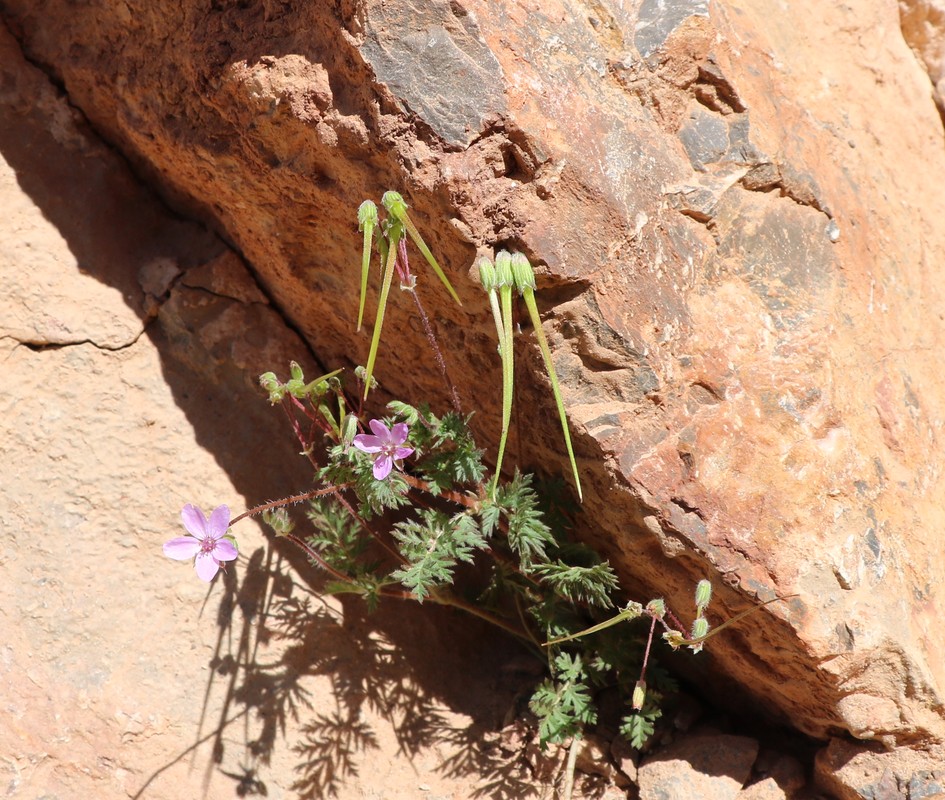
(409, 666)
(399, 664)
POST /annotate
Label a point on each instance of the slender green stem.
(529, 296)
(631, 612)
(396, 231)
(397, 208)
(367, 219)
(676, 639)
(446, 599)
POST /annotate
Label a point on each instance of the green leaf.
(591, 585)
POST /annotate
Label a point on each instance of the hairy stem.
(437, 353)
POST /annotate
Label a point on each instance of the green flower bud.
(270, 383)
(656, 608)
(703, 594)
(503, 268)
(278, 519)
(349, 429)
(394, 203)
(699, 628)
(296, 372)
(522, 273)
(639, 695)
(486, 274)
(367, 214)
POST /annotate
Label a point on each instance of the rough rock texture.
(735, 211)
(128, 342)
(712, 766)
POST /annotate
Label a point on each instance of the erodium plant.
(495, 546)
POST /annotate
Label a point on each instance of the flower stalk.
(525, 281)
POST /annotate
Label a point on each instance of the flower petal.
(207, 567)
(219, 521)
(183, 548)
(398, 434)
(225, 550)
(194, 521)
(380, 430)
(367, 443)
(382, 466)
(403, 452)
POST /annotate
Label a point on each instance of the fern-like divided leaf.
(454, 458)
(591, 585)
(338, 537)
(528, 535)
(563, 704)
(433, 546)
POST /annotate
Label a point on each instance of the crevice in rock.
(40, 346)
(768, 177)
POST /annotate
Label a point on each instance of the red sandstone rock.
(735, 214)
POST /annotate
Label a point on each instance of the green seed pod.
(350, 429)
(656, 608)
(700, 628)
(486, 274)
(367, 214)
(522, 273)
(503, 268)
(703, 594)
(394, 203)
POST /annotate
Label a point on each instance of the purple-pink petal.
(225, 550)
(206, 566)
(398, 434)
(194, 521)
(380, 430)
(367, 443)
(403, 452)
(183, 548)
(219, 521)
(382, 466)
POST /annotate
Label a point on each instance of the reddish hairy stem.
(437, 354)
(286, 501)
(459, 498)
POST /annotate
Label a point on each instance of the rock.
(735, 238)
(853, 771)
(130, 340)
(714, 767)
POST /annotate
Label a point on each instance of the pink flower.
(206, 543)
(385, 445)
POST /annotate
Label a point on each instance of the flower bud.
(656, 608)
(639, 695)
(270, 383)
(522, 273)
(503, 268)
(699, 628)
(486, 274)
(394, 203)
(349, 429)
(367, 214)
(703, 594)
